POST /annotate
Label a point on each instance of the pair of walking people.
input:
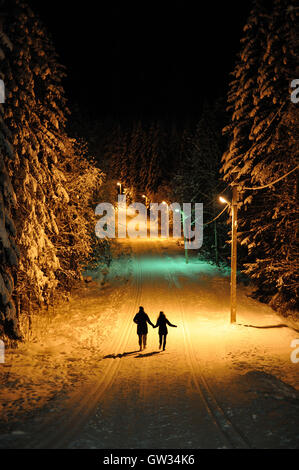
(142, 319)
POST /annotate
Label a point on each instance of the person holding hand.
(142, 319)
(162, 323)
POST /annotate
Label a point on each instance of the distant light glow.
(223, 200)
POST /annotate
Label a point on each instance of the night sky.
(148, 58)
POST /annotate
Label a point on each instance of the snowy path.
(215, 386)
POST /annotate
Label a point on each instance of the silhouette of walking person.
(142, 318)
(162, 323)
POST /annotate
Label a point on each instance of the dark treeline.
(259, 144)
(167, 159)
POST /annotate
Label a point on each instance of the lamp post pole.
(184, 230)
(185, 241)
(146, 200)
(233, 280)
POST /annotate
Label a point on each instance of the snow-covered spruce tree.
(137, 158)
(75, 240)
(133, 165)
(197, 178)
(154, 160)
(263, 147)
(9, 252)
(34, 113)
(116, 150)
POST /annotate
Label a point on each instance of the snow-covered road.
(216, 386)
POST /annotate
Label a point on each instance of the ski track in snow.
(84, 384)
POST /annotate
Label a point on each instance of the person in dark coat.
(142, 319)
(162, 323)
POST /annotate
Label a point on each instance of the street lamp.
(119, 184)
(233, 274)
(185, 244)
(224, 201)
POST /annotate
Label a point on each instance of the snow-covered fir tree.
(9, 252)
(138, 157)
(197, 176)
(42, 163)
(264, 146)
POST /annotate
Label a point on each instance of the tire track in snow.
(232, 436)
(62, 429)
(145, 381)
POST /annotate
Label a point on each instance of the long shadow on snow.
(280, 325)
(147, 354)
(115, 356)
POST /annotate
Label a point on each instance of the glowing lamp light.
(224, 201)
(118, 184)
